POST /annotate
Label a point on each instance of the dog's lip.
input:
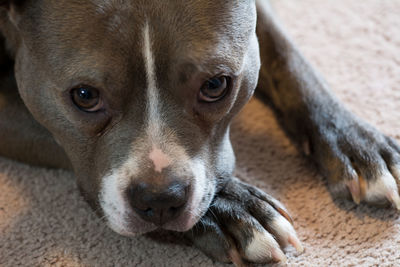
(188, 218)
(180, 224)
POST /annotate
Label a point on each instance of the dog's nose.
(158, 204)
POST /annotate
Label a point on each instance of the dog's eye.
(214, 89)
(86, 98)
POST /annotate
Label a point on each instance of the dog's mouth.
(131, 224)
(141, 210)
(195, 209)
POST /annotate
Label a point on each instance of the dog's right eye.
(214, 89)
(86, 98)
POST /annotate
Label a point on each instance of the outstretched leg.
(354, 156)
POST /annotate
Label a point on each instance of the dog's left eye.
(86, 98)
(214, 89)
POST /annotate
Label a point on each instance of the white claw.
(396, 171)
(278, 255)
(306, 148)
(355, 191)
(236, 258)
(295, 242)
(394, 198)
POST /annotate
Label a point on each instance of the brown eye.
(86, 98)
(214, 89)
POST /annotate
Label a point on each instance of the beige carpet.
(356, 45)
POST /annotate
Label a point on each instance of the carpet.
(356, 46)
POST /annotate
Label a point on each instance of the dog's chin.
(181, 224)
(187, 220)
(126, 231)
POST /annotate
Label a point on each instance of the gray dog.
(136, 96)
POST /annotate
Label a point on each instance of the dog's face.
(140, 95)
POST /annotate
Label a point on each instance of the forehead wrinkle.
(181, 27)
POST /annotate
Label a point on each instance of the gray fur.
(56, 45)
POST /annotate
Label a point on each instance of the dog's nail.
(295, 242)
(363, 187)
(355, 191)
(306, 148)
(284, 214)
(278, 256)
(236, 258)
(394, 198)
(395, 170)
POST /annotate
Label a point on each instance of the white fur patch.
(153, 104)
(286, 232)
(148, 57)
(381, 187)
(112, 202)
(155, 125)
(159, 158)
(263, 246)
(118, 211)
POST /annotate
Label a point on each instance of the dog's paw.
(360, 162)
(243, 224)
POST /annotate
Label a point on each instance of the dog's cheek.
(203, 194)
(224, 162)
(93, 202)
(249, 77)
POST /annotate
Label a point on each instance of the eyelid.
(95, 108)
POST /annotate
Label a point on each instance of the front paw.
(359, 161)
(244, 224)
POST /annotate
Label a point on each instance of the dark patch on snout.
(158, 203)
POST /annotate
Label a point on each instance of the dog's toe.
(368, 168)
(382, 190)
(262, 247)
(285, 233)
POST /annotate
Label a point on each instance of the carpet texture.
(356, 45)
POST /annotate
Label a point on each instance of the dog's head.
(140, 95)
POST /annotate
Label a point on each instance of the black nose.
(158, 204)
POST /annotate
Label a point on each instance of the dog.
(136, 97)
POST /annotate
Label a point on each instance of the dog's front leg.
(357, 159)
